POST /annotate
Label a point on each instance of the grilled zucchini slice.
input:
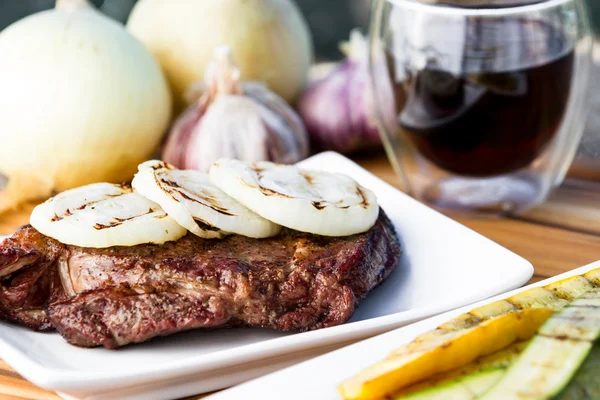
(465, 383)
(585, 385)
(555, 354)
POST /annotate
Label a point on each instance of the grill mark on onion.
(364, 202)
(307, 177)
(170, 186)
(162, 164)
(206, 226)
(318, 205)
(169, 183)
(271, 192)
(68, 212)
(264, 190)
(120, 221)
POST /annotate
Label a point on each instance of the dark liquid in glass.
(487, 123)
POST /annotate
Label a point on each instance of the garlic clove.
(176, 146)
(231, 126)
(281, 118)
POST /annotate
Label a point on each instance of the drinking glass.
(480, 109)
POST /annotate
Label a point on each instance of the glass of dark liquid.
(481, 108)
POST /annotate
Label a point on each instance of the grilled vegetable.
(571, 288)
(554, 355)
(466, 388)
(198, 205)
(467, 382)
(104, 215)
(436, 351)
(422, 359)
(538, 297)
(585, 385)
(593, 276)
(317, 202)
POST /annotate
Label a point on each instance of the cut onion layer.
(317, 202)
(104, 215)
(198, 205)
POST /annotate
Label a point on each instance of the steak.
(120, 295)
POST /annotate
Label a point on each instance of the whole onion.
(270, 40)
(82, 101)
(337, 109)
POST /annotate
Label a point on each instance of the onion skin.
(270, 40)
(82, 101)
(338, 109)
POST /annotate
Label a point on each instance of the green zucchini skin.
(554, 355)
(585, 385)
(466, 388)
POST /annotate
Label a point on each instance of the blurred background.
(330, 22)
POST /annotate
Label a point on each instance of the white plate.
(444, 266)
(317, 379)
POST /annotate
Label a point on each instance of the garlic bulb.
(270, 40)
(235, 120)
(337, 109)
(82, 101)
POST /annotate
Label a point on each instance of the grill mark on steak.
(119, 295)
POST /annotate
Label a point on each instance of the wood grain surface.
(561, 235)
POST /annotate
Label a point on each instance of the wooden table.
(559, 236)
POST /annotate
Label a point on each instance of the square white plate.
(321, 375)
(444, 265)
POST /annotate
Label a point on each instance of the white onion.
(103, 215)
(82, 101)
(270, 40)
(198, 205)
(317, 202)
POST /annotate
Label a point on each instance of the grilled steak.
(120, 295)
